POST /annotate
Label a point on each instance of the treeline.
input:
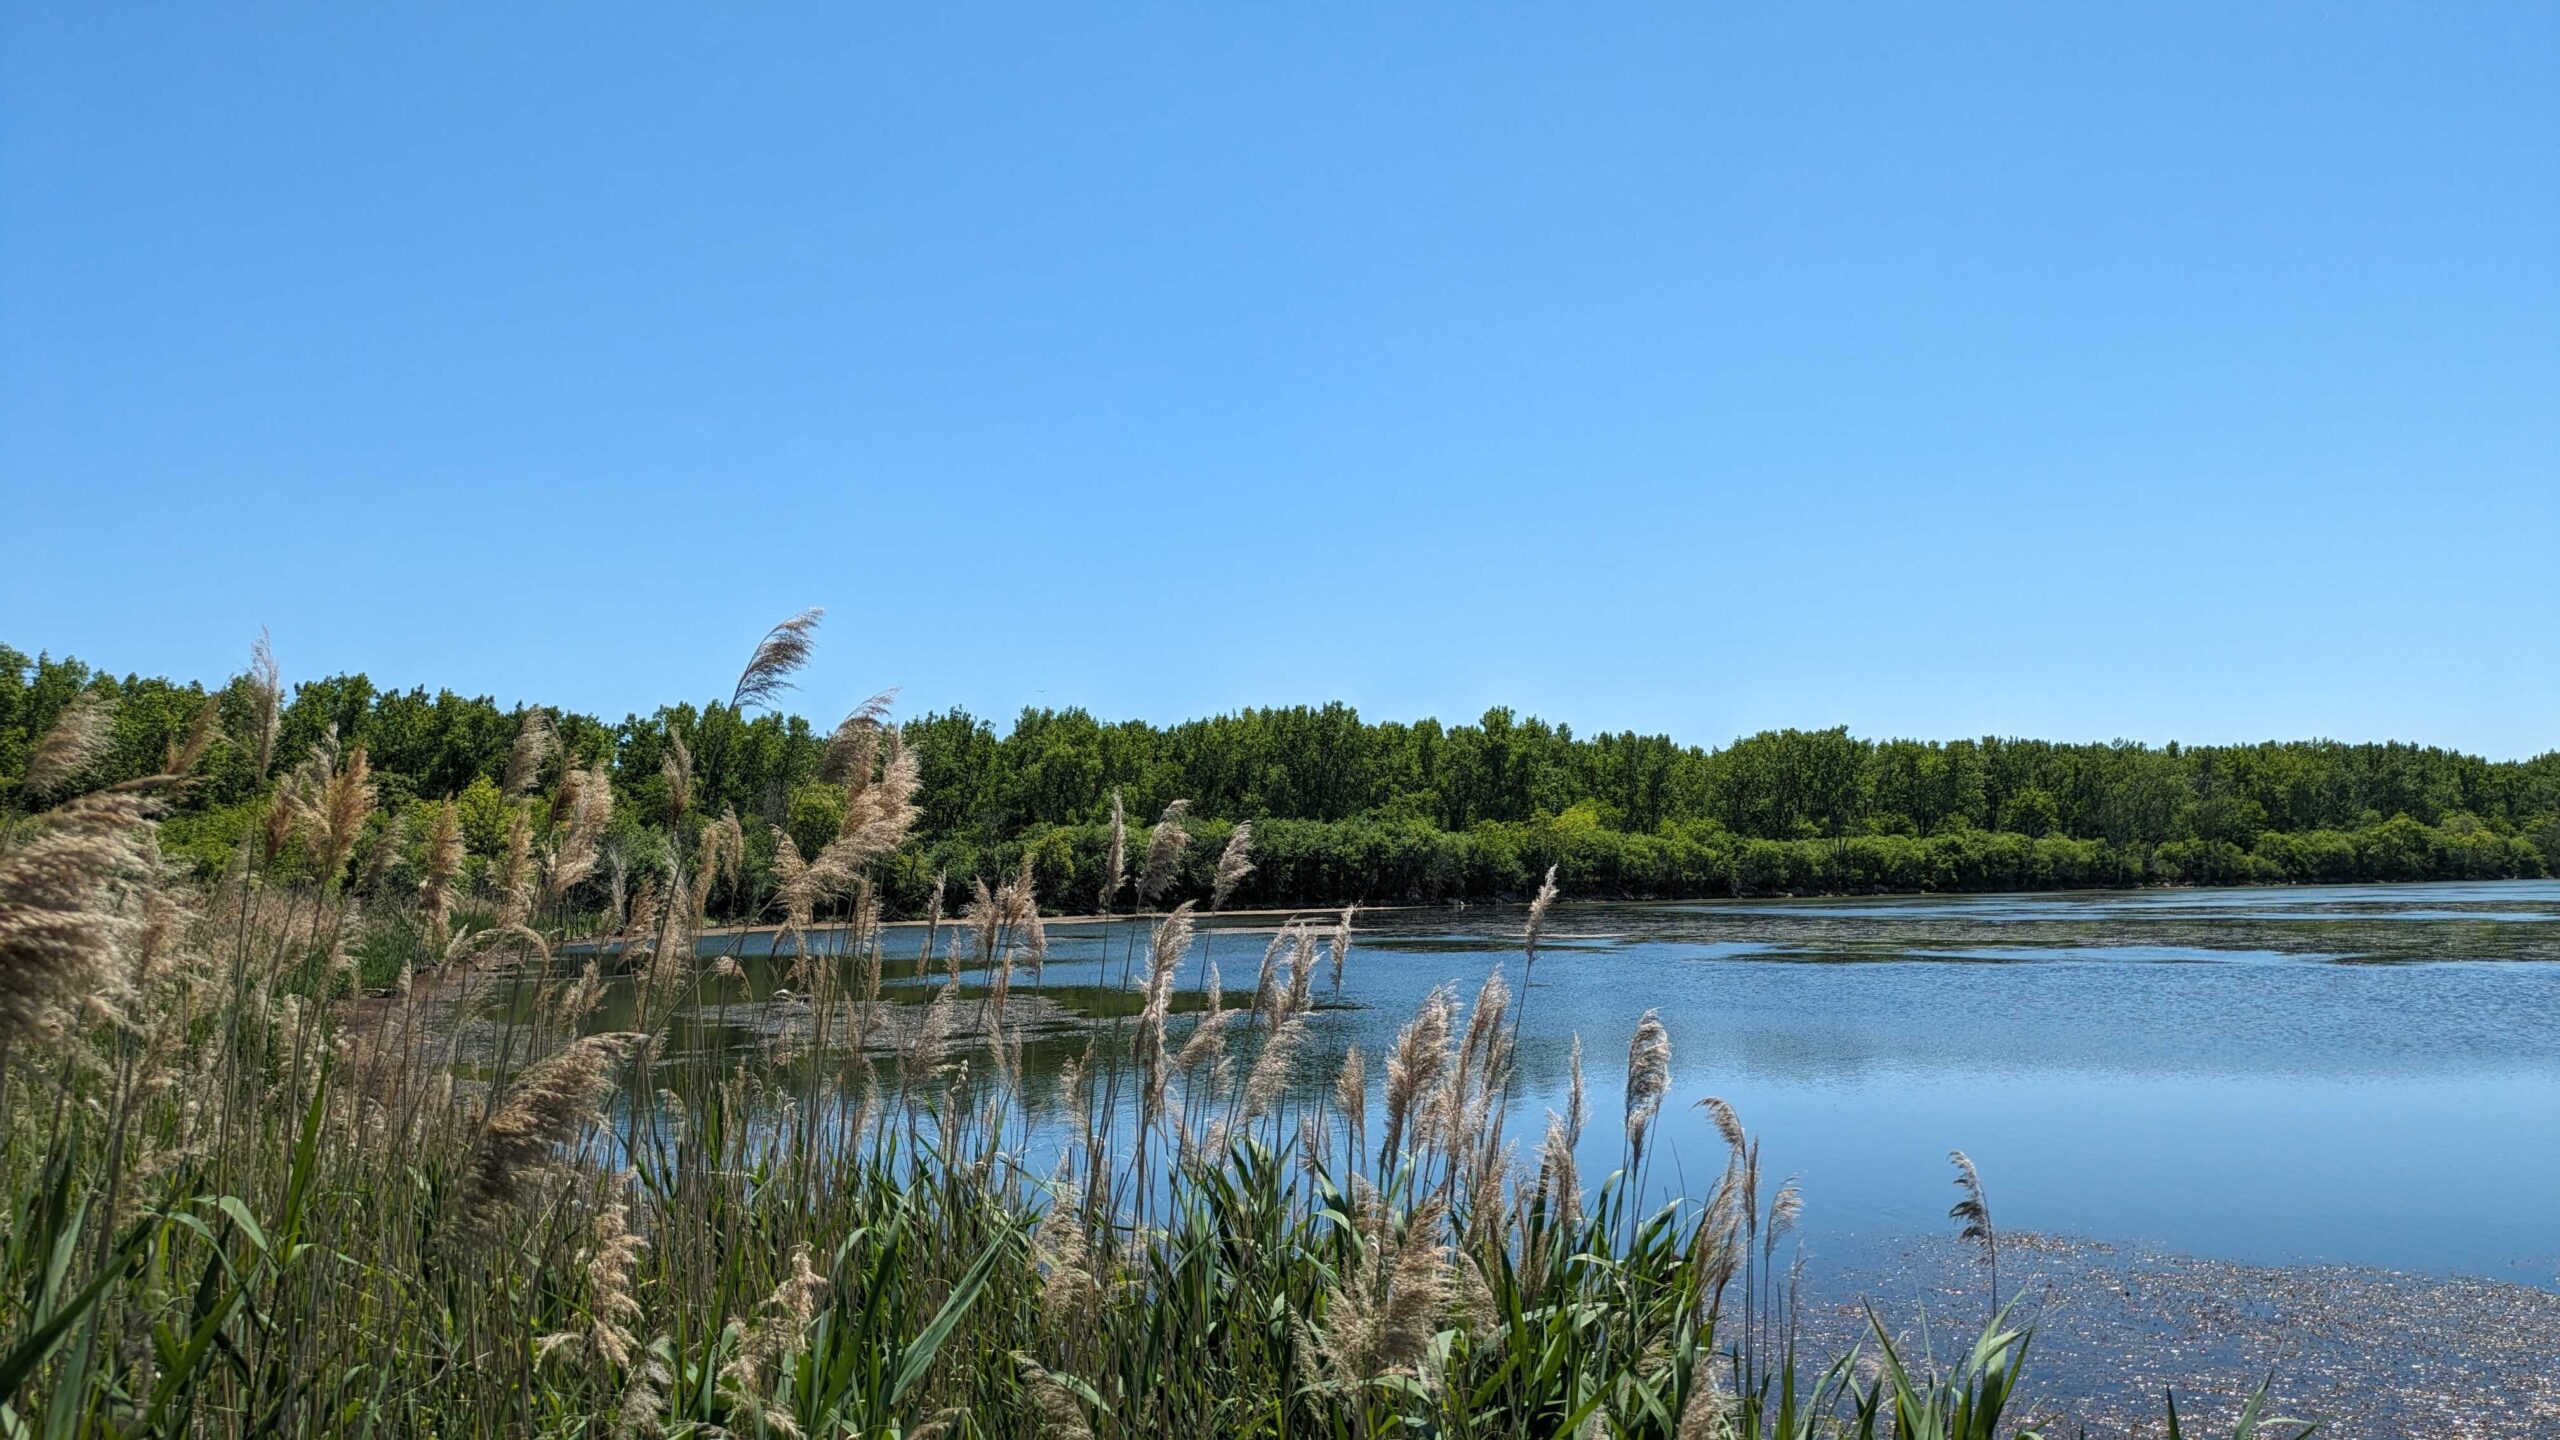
(1348, 809)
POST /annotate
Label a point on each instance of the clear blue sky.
(2075, 371)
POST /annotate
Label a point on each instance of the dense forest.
(1344, 808)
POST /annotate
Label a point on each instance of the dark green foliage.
(1347, 809)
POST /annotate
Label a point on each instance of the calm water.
(2365, 1075)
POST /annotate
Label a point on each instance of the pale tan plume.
(186, 753)
(792, 888)
(1208, 1038)
(334, 812)
(537, 741)
(1546, 899)
(855, 743)
(1165, 844)
(1115, 864)
(780, 655)
(1266, 988)
(676, 767)
(1302, 970)
(61, 923)
(1351, 1095)
(1975, 1212)
(266, 699)
(1340, 944)
(1172, 940)
(73, 745)
(1648, 1077)
(549, 1105)
(515, 867)
(932, 921)
(778, 1330)
(443, 861)
(878, 813)
(611, 1263)
(586, 800)
(1383, 1314)
(387, 845)
(1272, 1068)
(1415, 1066)
(1235, 862)
(1559, 1177)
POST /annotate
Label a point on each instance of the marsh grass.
(244, 1199)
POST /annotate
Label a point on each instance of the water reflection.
(2368, 1075)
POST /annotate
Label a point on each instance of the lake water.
(2240, 1086)
(2365, 1075)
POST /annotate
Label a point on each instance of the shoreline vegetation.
(240, 1205)
(1344, 811)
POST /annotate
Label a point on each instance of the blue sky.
(2075, 371)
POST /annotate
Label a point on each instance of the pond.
(2360, 1077)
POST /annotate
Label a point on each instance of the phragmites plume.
(1415, 1065)
(1538, 908)
(1484, 1058)
(536, 742)
(266, 699)
(1351, 1095)
(1559, 1177)
(1115, 865)
(878, 813)
(792, 888)
(927, 1048)
(779, 656)
(1172, 940)
(1975, 1212)
(1387, 1309)
(1061, 1413)
(1728, 1124)
(612, 1261)
(585, 809)
(1785, 1208)
(515, 867)
(778, 1331)
(77, 740)
(677, 767)
(186, 753)
(984, 917)
(1302, 971)
(1648, 1078)
(1234, 863)
(547, 1107)
(337, 806)
(723, 847)
(443, 863)
(854, 746)
(932, 920)
(1208, 1041)
(1272, 1068)
(1266, 986)
(1070, 1296)
(1341, 944)
(61, 925)
(1165, 844)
